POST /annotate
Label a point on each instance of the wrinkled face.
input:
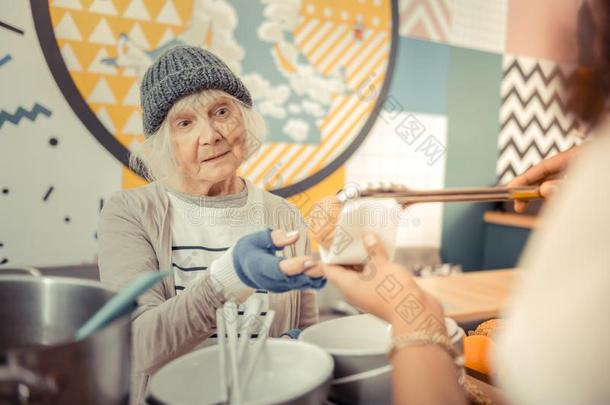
(208, 140)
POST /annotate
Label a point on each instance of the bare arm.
(422, 374)
(425, 375)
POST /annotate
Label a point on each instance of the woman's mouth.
(215, 158)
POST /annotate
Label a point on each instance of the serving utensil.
(121, 302)
(406, 196)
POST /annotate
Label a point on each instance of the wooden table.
(472, 296)
(511, 219)
(495, 395)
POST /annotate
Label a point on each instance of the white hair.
(155, 159)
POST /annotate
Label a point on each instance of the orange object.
(477, 353)
(488, 328)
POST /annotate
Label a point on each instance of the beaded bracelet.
(421, 338)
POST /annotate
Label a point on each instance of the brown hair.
(589, 85)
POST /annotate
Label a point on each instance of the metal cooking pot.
(40, 360)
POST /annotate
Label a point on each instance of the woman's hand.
(387, 290)
(257, 265)
(546, 174)
(295, 265)
(422, 373)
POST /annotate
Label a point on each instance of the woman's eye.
(184, 123)
(222, 112)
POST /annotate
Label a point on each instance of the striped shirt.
(202, 233)
(203, 230)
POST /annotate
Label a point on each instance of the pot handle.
(365, 374)
(27, 380)
(32, 271)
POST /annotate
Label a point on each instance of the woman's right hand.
(257, 265)
(387, 290)
(545, 174)
(296, 265)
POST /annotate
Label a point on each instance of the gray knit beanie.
(181, 71)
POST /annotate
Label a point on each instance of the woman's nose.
(209, 135)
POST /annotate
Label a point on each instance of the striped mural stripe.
(331, 41)
(327, 45)
(311, 43)
(365, 54)
(344, 45)
(341, 57)
(372, 67)
(277, 179)
(346, 122)
(341, 42)
(353, 53)
(290, 173)
(296, 170)
(245, 167)
(304, 29)
(344, 105)
(268, 169)
(363, 65)
(252, 161)
(333, 144)
(264, 159)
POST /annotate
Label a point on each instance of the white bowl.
(287, 371)
(359, 345)
(359, 342)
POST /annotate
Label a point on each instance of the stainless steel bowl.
(369, 387)
(41, 362)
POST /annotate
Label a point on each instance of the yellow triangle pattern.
(351, 16)
(86, 52)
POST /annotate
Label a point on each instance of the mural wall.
(319, 73)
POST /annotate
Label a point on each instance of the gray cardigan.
(134, 236)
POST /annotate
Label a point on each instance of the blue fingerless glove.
(292, 333)
(258, 267)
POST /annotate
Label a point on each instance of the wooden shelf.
(510, 219)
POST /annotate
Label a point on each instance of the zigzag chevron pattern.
(426, 19)
(548, 74)
(525, 156)
(534, 121)
(554, 124)
(22, 113)
(536, 96)
(523, 151)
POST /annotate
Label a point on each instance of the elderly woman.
(198, 219)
